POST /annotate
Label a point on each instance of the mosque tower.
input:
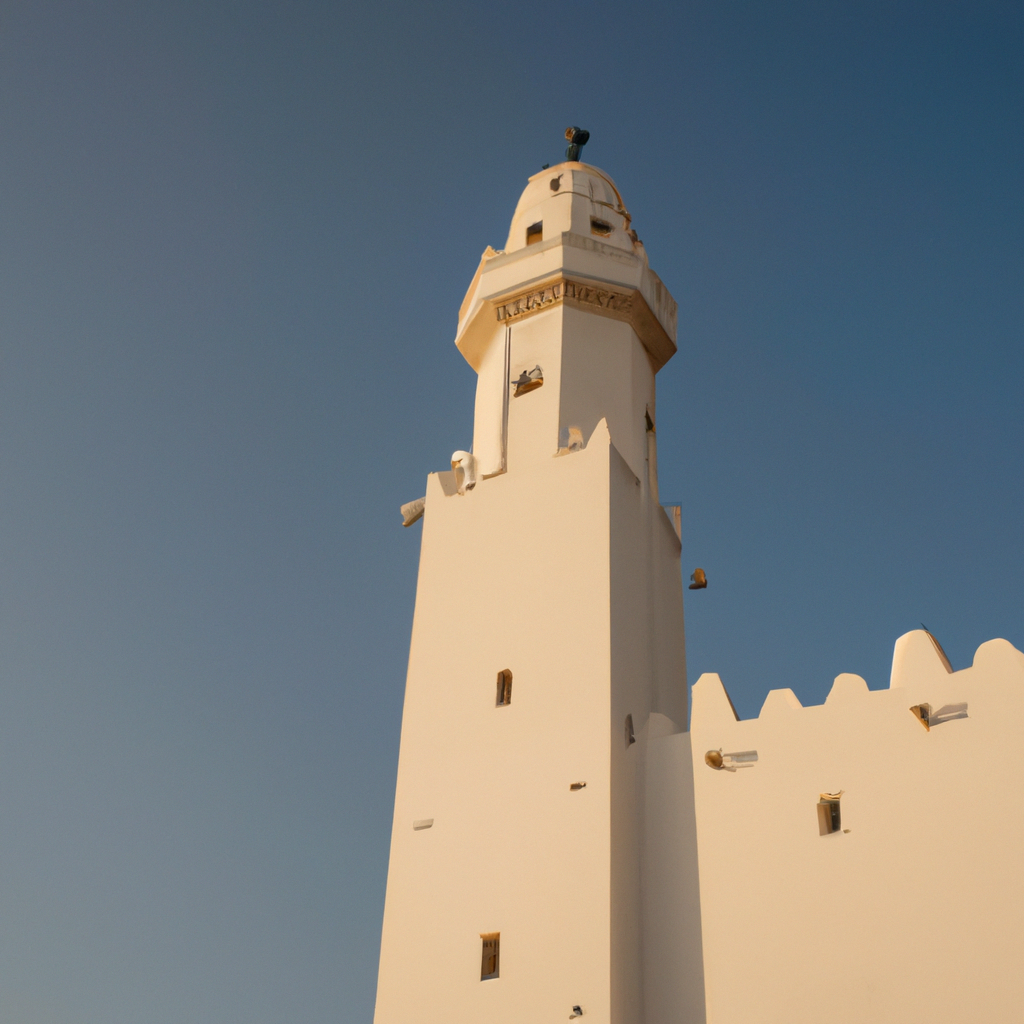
(547, 643)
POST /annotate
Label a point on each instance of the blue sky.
(234, 238)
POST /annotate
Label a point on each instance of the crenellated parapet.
(920, 669)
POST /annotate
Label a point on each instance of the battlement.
(919, 668)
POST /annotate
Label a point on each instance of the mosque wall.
(909, 910)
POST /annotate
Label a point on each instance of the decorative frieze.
(528, 302)
(617, 303)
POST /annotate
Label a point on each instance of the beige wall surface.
(673, 955)
(512, 849)
(912, 911)
(520, 574)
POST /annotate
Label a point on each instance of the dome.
(571, 197)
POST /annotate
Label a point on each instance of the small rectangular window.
(598, 227)
(829, 820)
(489, 956)
(535, 233)
(504, 688)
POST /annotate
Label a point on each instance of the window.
(489, 955)
(598, 227)
(829, 820)
(535, 233)
(504, 697)
(630, 736)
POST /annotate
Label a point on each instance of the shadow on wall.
(673, 949)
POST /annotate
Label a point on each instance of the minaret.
(547, 643)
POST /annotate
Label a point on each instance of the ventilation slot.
(535, 233)
(630, 735)
(598, 227)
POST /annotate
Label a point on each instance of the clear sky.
(234, 238)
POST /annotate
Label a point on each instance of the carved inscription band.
(620, 302)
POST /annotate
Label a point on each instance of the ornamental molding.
(623, 304)
(614, 300)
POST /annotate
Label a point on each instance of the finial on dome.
(577, 138)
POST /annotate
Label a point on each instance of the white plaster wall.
(531, 571)
(606, 374)
(489, 412)
(594, 368)
(648, 684)
(914, 914)
(511, 577)
(533, 417)
(632, 693)
(673, 955)
(670, 698)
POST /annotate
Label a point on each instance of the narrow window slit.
(535, 233)
(491, 945)
(504, 697)
(630, 735)
(829, 819)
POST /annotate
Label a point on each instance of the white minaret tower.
(547, 643)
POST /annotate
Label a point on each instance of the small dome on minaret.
(571, 197)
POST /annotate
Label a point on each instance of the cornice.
(589, 295)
